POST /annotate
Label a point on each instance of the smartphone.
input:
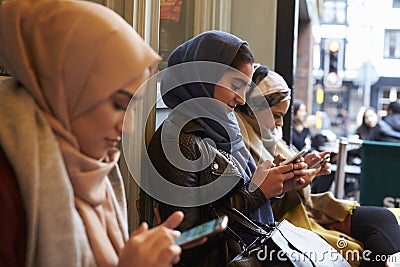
(203, 230)
(294, 157)
(320, 162)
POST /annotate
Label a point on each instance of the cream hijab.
(271, 85)
(71, 56)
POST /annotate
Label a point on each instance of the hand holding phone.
(203, 230)
(320, 162)
(294, 157)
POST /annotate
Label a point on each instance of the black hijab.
(220, 127)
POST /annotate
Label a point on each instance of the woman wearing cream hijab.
(75, 67)
(334, 219)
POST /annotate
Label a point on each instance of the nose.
(126, 123)
(119, 127)
(120, 122)
(241, 97)
(279, 122)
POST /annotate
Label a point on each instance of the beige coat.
(303, 209)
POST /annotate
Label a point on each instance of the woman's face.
(278, 111)
(301, 113)
(101, 127)
(232, 87)
(370, 118)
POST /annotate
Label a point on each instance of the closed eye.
(121, 100)
(235, 88)
(238, 84)
(277, 116)
(119, 107)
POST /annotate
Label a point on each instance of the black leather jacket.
(387, 130)
(192, 147)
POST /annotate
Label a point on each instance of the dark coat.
(388, 129)
(213, 253)
(12, 218)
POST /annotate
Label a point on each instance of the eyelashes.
(118, 106)
(235, 88)
(120, 102)
(277, 116)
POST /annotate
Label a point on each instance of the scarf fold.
(273, 83)
(56, 235)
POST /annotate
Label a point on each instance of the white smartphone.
(320, 162)
(203, 230)
(294, 157)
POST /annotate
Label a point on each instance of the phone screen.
(294, 157)
(202, 230)
(322, 161)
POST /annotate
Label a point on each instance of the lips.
(112, 142)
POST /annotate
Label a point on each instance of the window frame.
(387, 54)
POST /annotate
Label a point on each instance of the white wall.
(387, 18)
(368, 20)
(255, 22)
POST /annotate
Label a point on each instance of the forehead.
(241, 77)
(247, 69)
(134, 85)
(302, 107)
(369, 113)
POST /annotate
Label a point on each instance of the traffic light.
(333, 62)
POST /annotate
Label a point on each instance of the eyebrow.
(280, 114)
(242, 81)
(132, 97)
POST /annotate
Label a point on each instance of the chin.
(96, 155)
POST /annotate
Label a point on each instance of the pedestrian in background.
(388, 129)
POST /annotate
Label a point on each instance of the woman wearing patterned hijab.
(275, 91)
(75, 66)
(332, 218)
(199, 147)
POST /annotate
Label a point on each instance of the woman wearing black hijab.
(199, 147)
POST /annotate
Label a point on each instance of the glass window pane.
(176, 25)
(335, 12)
(392, 44)
(329, 12)
(341, 12)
